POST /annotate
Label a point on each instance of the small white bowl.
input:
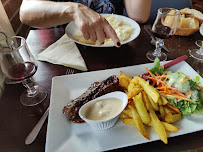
(108, 123)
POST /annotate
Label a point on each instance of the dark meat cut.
(95, 90)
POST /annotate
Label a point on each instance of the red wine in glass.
(162, 32)
(18, 64)
(164, 26)
(21, 71)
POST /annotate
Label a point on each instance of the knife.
(148, 30)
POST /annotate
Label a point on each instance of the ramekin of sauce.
(103, 112)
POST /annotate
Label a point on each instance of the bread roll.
(193, 13)
(188, 23)
(187, 26)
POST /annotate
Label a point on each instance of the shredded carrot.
(157, 74)
(180, 94)
(186, 79)
(189, 92)
(150, 72)
(181, 97)
(163, 76)
(162, 87)
(173, 108)
(165, 73)
(199, 86)
(153, 83)
(165, 92)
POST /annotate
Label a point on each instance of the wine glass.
(18, 64)
(164, 26)
(7, 80)
(197, 53)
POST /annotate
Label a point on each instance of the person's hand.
(94, 26)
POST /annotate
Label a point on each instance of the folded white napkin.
(64, 52)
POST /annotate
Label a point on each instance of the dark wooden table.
(16, 120)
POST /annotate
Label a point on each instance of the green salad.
(190, 87)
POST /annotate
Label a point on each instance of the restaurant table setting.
(66, 68)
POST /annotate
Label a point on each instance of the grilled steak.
(95, 90)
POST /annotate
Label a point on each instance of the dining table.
(17, 120)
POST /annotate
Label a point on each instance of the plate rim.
(138, 30)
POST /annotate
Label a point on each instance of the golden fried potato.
(162, 112)
(146, 101)
(141, 109)
(169, 118)
(158, 126)
(131, 86)
(154, 105)
(163, 98)
(123, 83)
(167, 126)
(136, 90)
(124, 80)
(160, 101)
(127, 113)
(138, 122)
(150, 90)
(169, 110)
(170, 127)
(128, 121)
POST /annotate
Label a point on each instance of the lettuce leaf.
(156, 67)
(187, 108)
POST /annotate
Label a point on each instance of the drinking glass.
(164, 26)
(197, 53)
(18, 64)
(7, 81)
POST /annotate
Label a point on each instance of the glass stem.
(28, 83)
(159, 46)
(200, 51)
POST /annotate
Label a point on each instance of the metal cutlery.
(153, 41)
(33, 134)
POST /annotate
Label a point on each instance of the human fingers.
(107, 36)
(112, 34)
(100, 35)
(83, 28)
(93, 36)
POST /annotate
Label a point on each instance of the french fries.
(158, 126)
(170, 127)
(142, 111)
(151, 91)
(124, 80)
(138, 122)
(147, 106)
(133, 91)
(171, 118)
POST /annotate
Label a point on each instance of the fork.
(33, 134)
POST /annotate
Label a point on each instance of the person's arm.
(138, 10)
(45, 14)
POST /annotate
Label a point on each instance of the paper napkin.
(64, 52)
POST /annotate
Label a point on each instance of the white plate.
(63, 135)
(201, 29)
(71, 28)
